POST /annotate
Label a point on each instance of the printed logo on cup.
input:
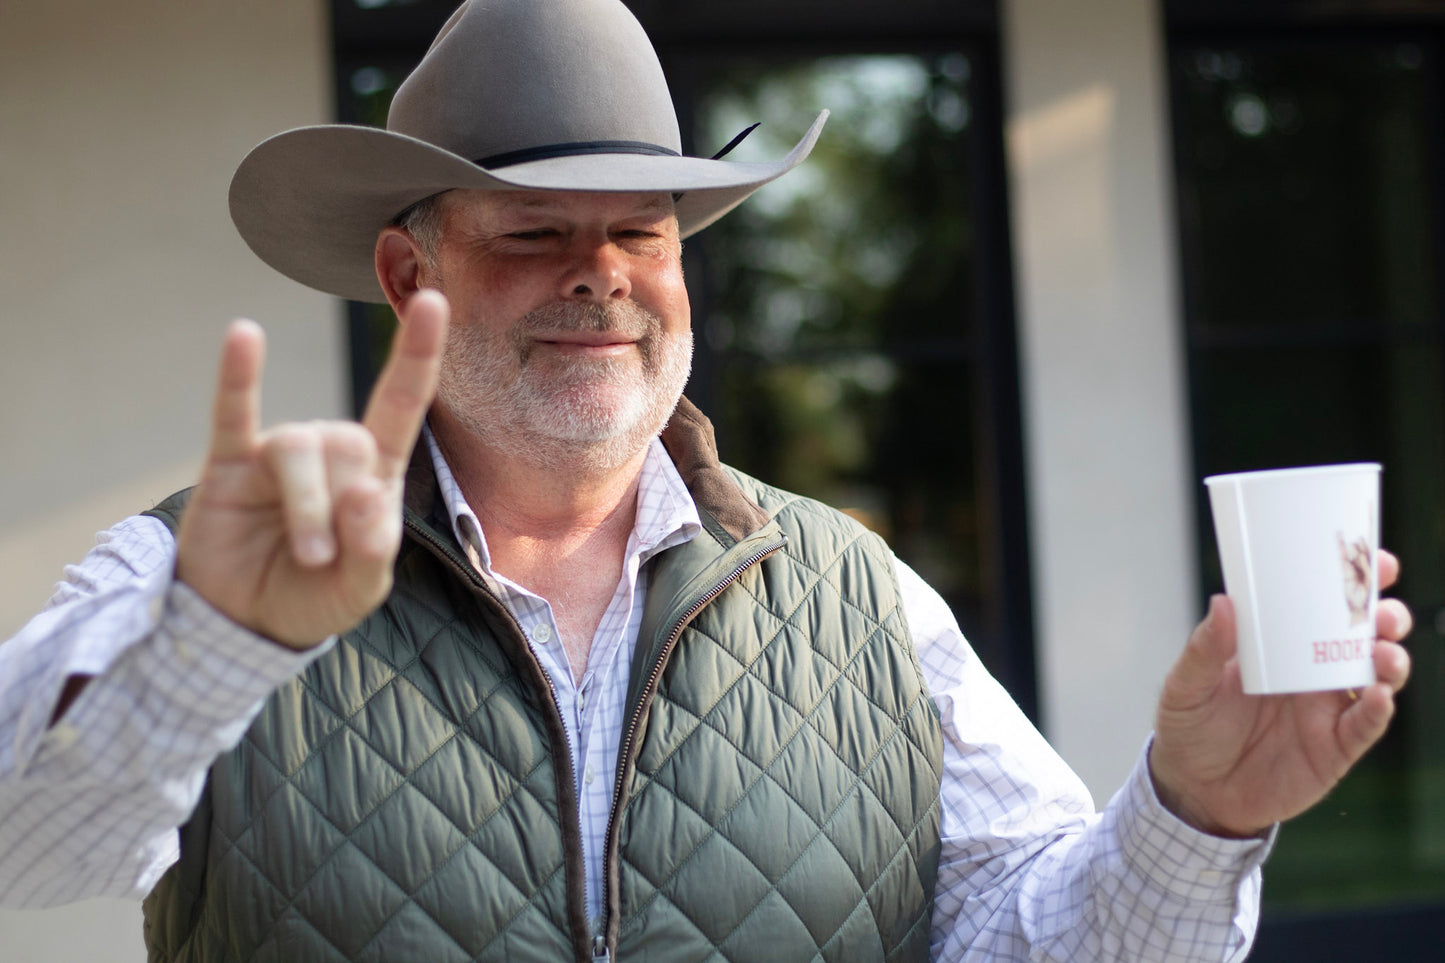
(1359, 565)
(1295, 543)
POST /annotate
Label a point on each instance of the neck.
(548, 495)
(555, 525)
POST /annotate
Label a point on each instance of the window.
(1309, 199)
(842, 349)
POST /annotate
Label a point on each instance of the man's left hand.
(1233, 764)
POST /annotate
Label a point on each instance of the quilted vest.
(411, 797)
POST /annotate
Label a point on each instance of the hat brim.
(310, 202)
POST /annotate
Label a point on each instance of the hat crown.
(529, 95)
(505, 76)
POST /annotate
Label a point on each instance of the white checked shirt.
(89, 806)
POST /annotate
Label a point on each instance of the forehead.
(571, 205)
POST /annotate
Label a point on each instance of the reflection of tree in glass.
(829, 255)
(843, 299)
(1301, 165)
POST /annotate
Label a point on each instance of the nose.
(597, 270)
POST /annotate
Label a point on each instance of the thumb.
(1210, 647)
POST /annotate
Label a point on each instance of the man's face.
(571, 332)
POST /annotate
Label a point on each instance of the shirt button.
(63, 736)
(589, 776)
(542, 633)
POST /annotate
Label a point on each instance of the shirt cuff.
(212, 667)
(184, 692)
(1180, 860)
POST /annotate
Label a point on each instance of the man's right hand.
(292, 531)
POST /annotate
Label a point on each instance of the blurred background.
(1050, 265)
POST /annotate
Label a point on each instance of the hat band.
(573, 150)
(580, 147)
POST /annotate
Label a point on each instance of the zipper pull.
(599, 950)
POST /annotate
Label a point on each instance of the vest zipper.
(629, 732)
(464, 569)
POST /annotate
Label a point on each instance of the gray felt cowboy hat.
(513, 94)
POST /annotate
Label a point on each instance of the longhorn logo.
(1359, 569)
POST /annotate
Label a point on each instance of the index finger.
(236, 411)
(407, 383)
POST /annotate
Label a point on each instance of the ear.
(398, 265)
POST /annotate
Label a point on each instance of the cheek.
(482, 287)
(678, 319)
(485, 308)
(669, 300)
(475, 337)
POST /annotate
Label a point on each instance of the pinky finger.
(1364, 722)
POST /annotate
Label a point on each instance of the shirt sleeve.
(90, 803)
(1028, 870)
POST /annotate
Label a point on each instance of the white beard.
(562, 410)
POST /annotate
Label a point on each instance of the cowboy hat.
(512, 95)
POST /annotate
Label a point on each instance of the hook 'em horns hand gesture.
(292, 531)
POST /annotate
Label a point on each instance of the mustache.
(624, 317)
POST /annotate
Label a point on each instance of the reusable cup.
(1299, 550)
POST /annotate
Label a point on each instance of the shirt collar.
(666, 513)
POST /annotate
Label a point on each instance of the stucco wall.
(119, 127)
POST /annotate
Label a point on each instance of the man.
(595, 695)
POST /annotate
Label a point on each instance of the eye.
(533, 234)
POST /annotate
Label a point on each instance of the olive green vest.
(410, 797)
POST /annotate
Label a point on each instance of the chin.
(603, 430)
(589, 414)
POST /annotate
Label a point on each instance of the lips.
(599, 346)
(586, 339)
(585, 330)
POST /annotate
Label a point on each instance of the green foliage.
(842, 309)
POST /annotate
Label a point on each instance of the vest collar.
(725, 509)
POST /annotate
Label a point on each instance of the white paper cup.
(1298, 547)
